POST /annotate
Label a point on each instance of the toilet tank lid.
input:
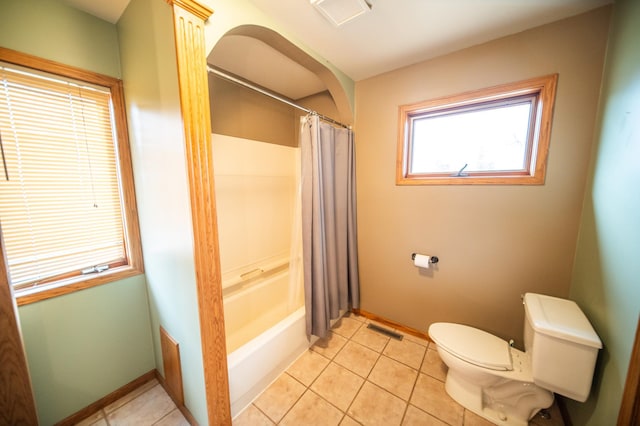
(472, 345)
(560, 318)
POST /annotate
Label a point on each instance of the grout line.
(258, 408)
(363, 324)
(413, 388)
(355, 396)
(166, 415)
(404, 413)
(296, 401)
(133, 399)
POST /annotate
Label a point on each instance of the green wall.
(605, 277)
(53, 30)
(82, 346)
(157, 147)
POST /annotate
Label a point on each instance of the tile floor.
(354, 377)
(359, 376)
(148, 405)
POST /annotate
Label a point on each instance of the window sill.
(537, 179)
(47, 291)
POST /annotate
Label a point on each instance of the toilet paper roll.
(422, 261)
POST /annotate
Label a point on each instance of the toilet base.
(505, 402)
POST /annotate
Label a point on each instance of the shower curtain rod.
(273, 96)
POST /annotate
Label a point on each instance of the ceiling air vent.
(339, 12)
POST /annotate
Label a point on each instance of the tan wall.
(244, 113)
(494, 242)
(322, 103)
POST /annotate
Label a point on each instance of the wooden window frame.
(542, 89)
(133, 249)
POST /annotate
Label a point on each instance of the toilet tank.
(562, 344)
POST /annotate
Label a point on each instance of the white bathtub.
(255, 365)
(263, 338)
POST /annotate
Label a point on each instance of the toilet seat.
(472, 345)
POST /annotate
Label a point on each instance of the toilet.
(506, 386)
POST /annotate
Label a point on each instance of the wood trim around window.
(545, 87)
(129, 206)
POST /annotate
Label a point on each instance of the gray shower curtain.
(328, 223)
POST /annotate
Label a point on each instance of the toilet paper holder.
(432, 259)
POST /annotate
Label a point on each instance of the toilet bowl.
(507, 386)
(487, 376)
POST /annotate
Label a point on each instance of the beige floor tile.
(346, 327)
(375, 406)
(145, 409)
(355, 317)
(95, 419)
(312, 410)
(419, 340)
(308, 367)
(472, 419)
(348, 421)
(251, 416)
(174, 418)
(357, 358)
(279, 397)
(416, 417)
(433, 365)
(393, 376)
(366, 384)
(330, 345)
(131, 395)
(371, 339)
(429, 395)
(338, 385)
(406, 352)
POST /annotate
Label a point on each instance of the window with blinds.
(62, 207)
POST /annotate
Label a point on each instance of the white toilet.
(507, 386)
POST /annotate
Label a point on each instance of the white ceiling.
(108, 10)
(259, 63)
(395, 33)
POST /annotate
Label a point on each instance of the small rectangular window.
(498, 135)
(67, 207)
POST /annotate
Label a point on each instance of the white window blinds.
(60, 209)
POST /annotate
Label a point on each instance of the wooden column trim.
(199, 10)
(189, 17)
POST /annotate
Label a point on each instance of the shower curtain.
(328, 223)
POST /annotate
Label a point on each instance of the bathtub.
(262, 340)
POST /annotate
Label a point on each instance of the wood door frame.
(629, 413)
(18, 404)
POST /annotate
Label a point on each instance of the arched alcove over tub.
(256, 168)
